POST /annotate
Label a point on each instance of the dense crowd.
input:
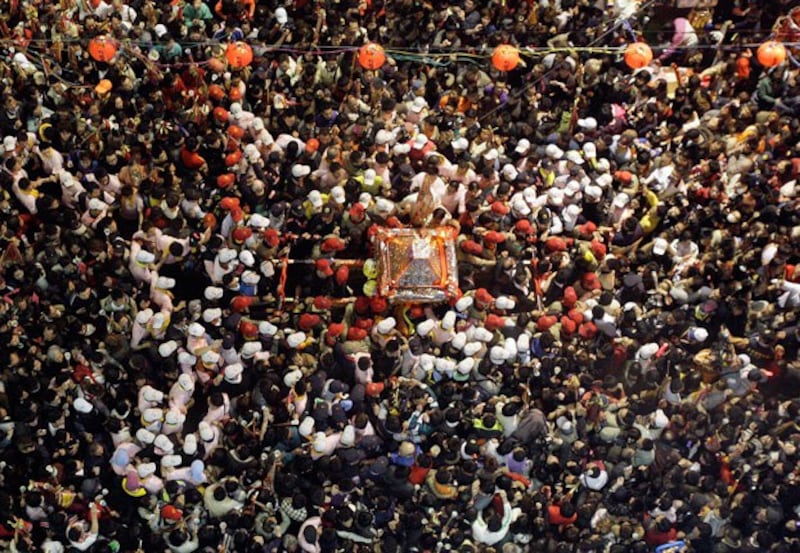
(619, 371)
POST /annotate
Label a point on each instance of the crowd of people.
(617, 374)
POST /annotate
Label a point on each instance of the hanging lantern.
(772, 53)
(239, 54)
(638, 55)
(102, 48)
(371, 56)
(505, 57)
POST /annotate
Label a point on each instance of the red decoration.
(505, 57)
(371, 56)
(239, 54)
(772, 53)
(102, 48)
(638, 55)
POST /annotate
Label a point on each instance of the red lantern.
(772, 53)
(638, 55)
(371, 56)
(102, 48)
(239, 54)
(505, 57)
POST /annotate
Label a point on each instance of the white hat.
(523, 146)
(292, 377)
(9, 143)
(146, 469)
(574, 157)
(163, 443)
(621, 200)
(295, 339)
(143, 256)
(383, 137)
(460, 144)
(171, 461)
(206, 432)
(300, 170)
(196, 330)
(315, 197)
(226, 255)
(82, 406)
(604, 180)
(603, 165)
(554, 152)
(465, 366)
(647, 351)
(464, 303)
(589, 123)
(190, 444)
(158, 321)
(510, 172)
(564, 425)
(249, 349)
(572, 188)
(257, 220)
(523, 343)
(167, 348)
(306, 427)
(186, 358)
(418, 104)
(266, 268)
(505, 303)
(420, 141)
(153, 414)
(96, 204)
(491, 154)
(459, 340)
(186, 382)
(449, 320)
(510, 347)
(319, 442)
(144, 316)
(471, 348)
(145, 437)
(386, 325)
(401, 149)
(497, 355)
(590, 150)
(212, 314)
(251, 277)
(660, 246)
(698, 334)
(212, 293)
(267, 328)
(348, 437)
(369, 177)
(338, 195)
(427, 362)
(281, 16)
(153, 395)
(384, 205)
(247, 258)
(482, 335)
(445, 365)
(555, 196)
(425, 327)
(593, 192)
(210, 357)
(233, 373)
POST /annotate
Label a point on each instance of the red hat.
(241, 234)
(568, 326)
(524, 226)
(233, 158)
(598, 249)
(494, 237)
(335, 330)
(556, 244)
(308, 321)
(332, 244)
(271, 237)
(226, 180)
(364, 323)
(229, 202)
(393, 222)
(248, 329)
(590, 281)
(322, 303)
(235, 131)
(169, 512)
(342, 275)
(235, 94)
(482, 295)
(323, 266)
(357, 212)
(493, 322)
(570, 296)
(545, 322)
(356, 334)
(586, 229)
(312, 145)
(374, 389)
(587, 330)
(237, 214)
(361, 306)
(378, 305)
(500, 208)
(471, 247)
(624, 177)
(241, 303)
(221, 114)
(575, 315)
(216, 92)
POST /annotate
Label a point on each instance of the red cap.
(241, 234)
(471, 247)
(570, 296)
(494, 237)
(356, 334)
(248, 329)
(221, 114)
(361, 306)
(241, 303)
(416, 312)
(308, 321)
(169, 512)
(229, 202)
(374, 389)
(378, 305)
(587, 228)
(393, 222)
(342, 275)
(587, 330)
(568, 326)
(324, 266)
(216, 92)
(233, 158)
(575, 315)
(226, 181)
(493, 322)
(545, 322)
(500, 208)
(237, 214)
(235, 94)
(312, 145)
(624, 177)
(332, 244)
(524, 226)
(482, 295)
(590, 281)
(271, 237)
(363, 322)
(598, 249)
(322, 303)
(556, 244)
(357, 212)
(335, 330)
(235, 131)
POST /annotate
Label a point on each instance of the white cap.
(482, 335)
(152, 414)
(247, 258)
(386, 325)
(251, 277)
(383, 137)
(420, 141)
(190, 444)
(491, 154)
(212, 314)
(196, 330)
(427, 362)
(210, 357)
(315, 197)
(425, 327)
(554, 152)
(205, 431)
(418, 104)
(460, 144)
(306, 427)
(160, 30)
(144, 316)
(505, 303)
(555, 196)
(698, 334)
(212, 293)
(146, 469)
(621, 200)
(647, 351)
(96, 204)
(144, 436)
(281, 16)
(574, 157)
(369, 177)
(459, 340)
(171, 461)
(464, 303)
(401, 149)
(267, 328)
(226, 255)
(510, 172)
(660, 246)
(249, 349)
(338, 195)
(497, 355)
(292, 377)
(523, 146)
(589, 123)
(593, 192)
(348, 437)
(472, 348)
(186, 382)
(465, 366)
(167, 348)
(151, 394)
(82, 406)
(144, 256)
(233, 373)
(300, 170)
(523, 343)
(158, 320)
(258, 221)
(163, 443)
(186, 358)
(165, 283)
(604, 180)
(449, 320)
(295, 339)
(384, 205)
(590, 150)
